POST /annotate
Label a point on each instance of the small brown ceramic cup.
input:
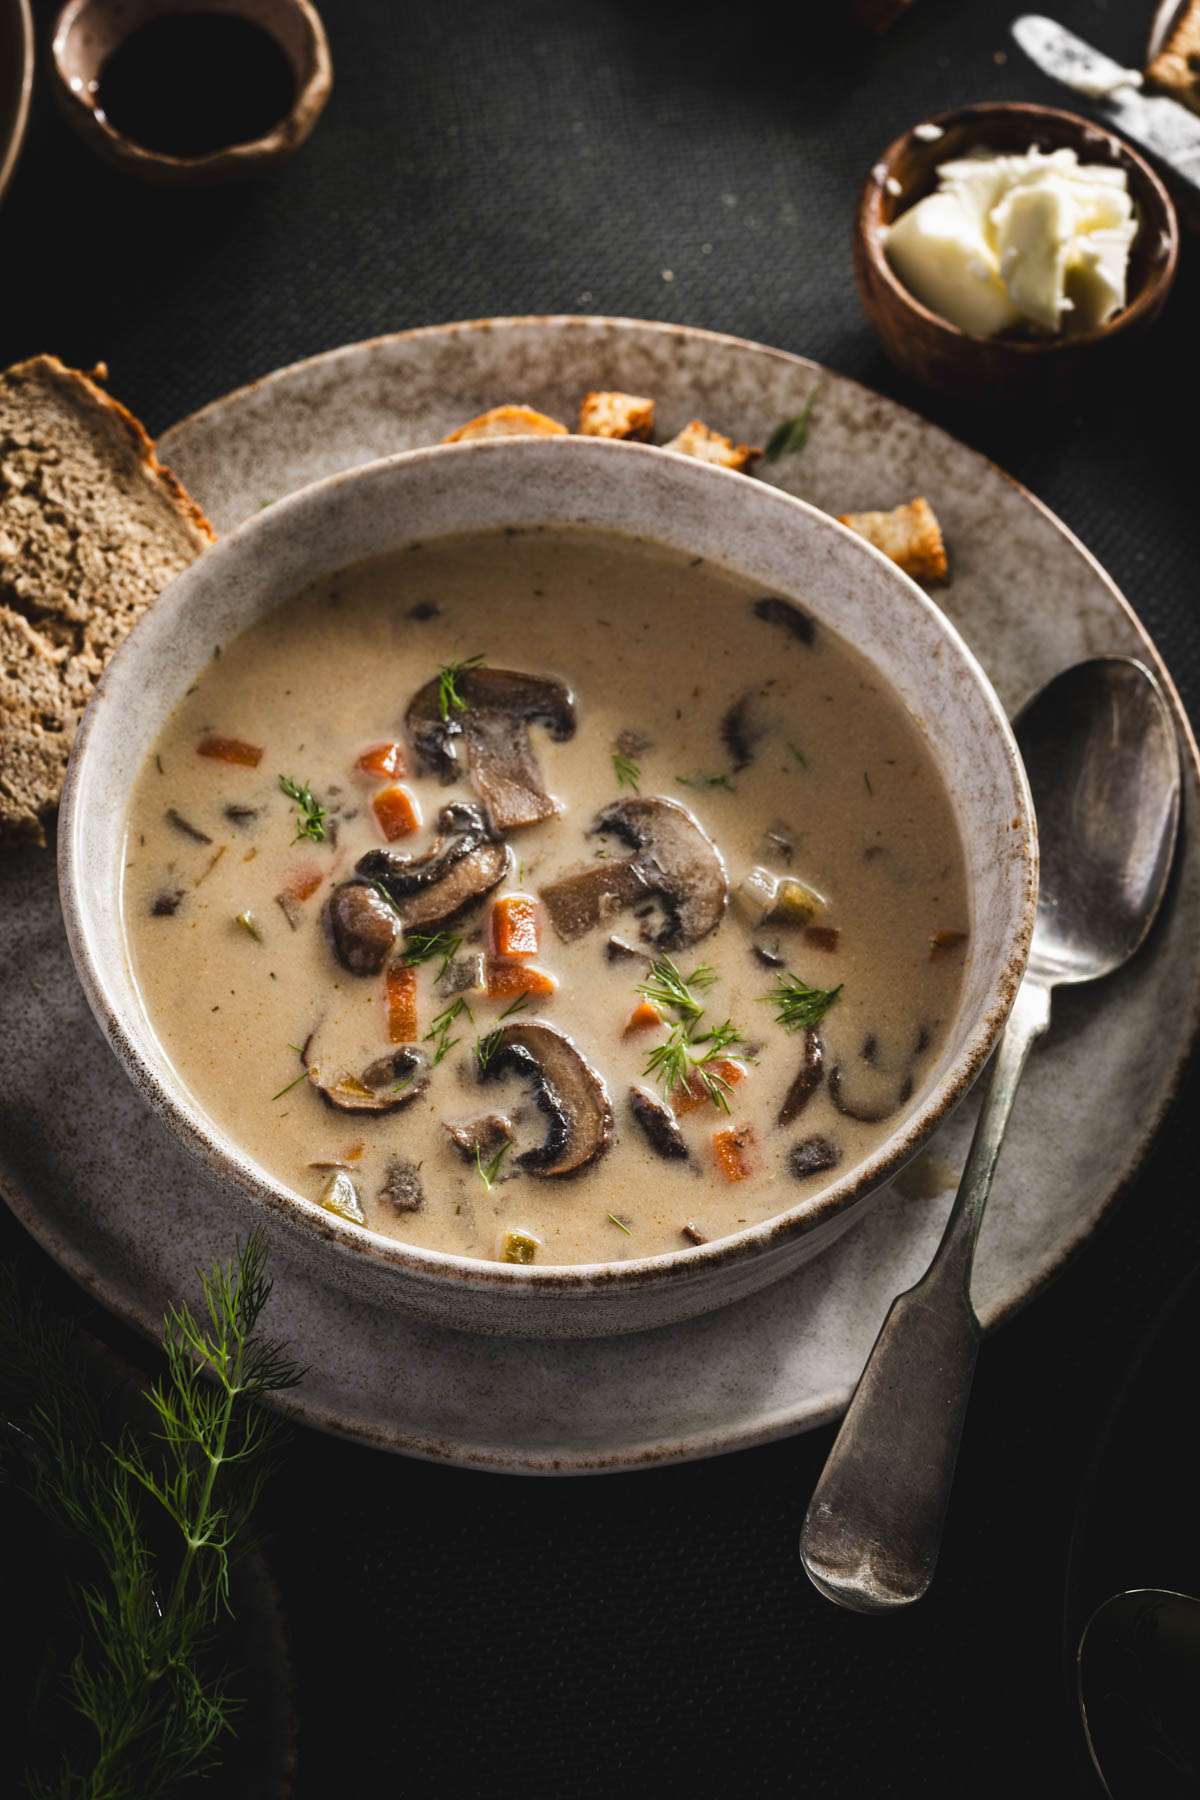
(1005, 369)
(88, 31)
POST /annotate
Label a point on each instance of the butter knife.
(1167, 130)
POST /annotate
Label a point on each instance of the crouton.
(506, 421)
(615, 416)
(1176, 68)
(697, 440)
(910, 535)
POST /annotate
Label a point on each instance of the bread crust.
(92, 526)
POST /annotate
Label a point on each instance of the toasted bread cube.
(910, 535)
(1176, 68)
(506, 421)
(615, 416)
(709, 446)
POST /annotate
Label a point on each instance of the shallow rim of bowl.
(300, 1214)
(868, 223)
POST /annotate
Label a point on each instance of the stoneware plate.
(104, 1188)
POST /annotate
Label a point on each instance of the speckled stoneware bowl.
(766, 536)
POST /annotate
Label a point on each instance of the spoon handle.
(874, 1525)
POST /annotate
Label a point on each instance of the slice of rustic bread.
(92, 528)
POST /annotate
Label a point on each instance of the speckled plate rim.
(811, 1409)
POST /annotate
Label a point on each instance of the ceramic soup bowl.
(756, 531)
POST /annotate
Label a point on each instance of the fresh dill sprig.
(145, 1682)
(666, 986)
(310, 814)
(798, 1006)
(790, 437)
(619, 1223)
(515, 1006)
(700, 780)
(291, 1084)
(686, 1053)
(683, 1059)
(487, 1046)
(449, 698)
(439, 1031)
(799, 756)
(489, 1172)
(424, 946)
(627, 772)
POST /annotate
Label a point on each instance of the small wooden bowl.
(1003, 370)
(88, 31)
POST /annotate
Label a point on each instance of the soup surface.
(546, 896)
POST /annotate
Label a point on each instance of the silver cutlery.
(1161, 126)
(1103, 765)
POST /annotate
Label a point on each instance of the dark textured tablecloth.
(460, 1634)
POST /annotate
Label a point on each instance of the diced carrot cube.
(230, 750)
(303, 881)
(383, 761)
(396, 811)
(352, 1152)
(506, 980)
(516, 926)
(735, 1150)
(694, 1093)
(401, 984)
(643, 1017)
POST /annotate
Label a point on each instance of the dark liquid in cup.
(187, 84)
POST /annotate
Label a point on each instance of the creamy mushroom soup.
(546, 896)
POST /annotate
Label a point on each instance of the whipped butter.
(1039, 240)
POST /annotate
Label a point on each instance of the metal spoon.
(1103, 764)
(1138, 1668)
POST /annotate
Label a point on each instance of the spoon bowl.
(1103, 767)
(1099, 750)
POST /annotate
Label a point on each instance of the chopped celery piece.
(519, 1247)
(340, 1196)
